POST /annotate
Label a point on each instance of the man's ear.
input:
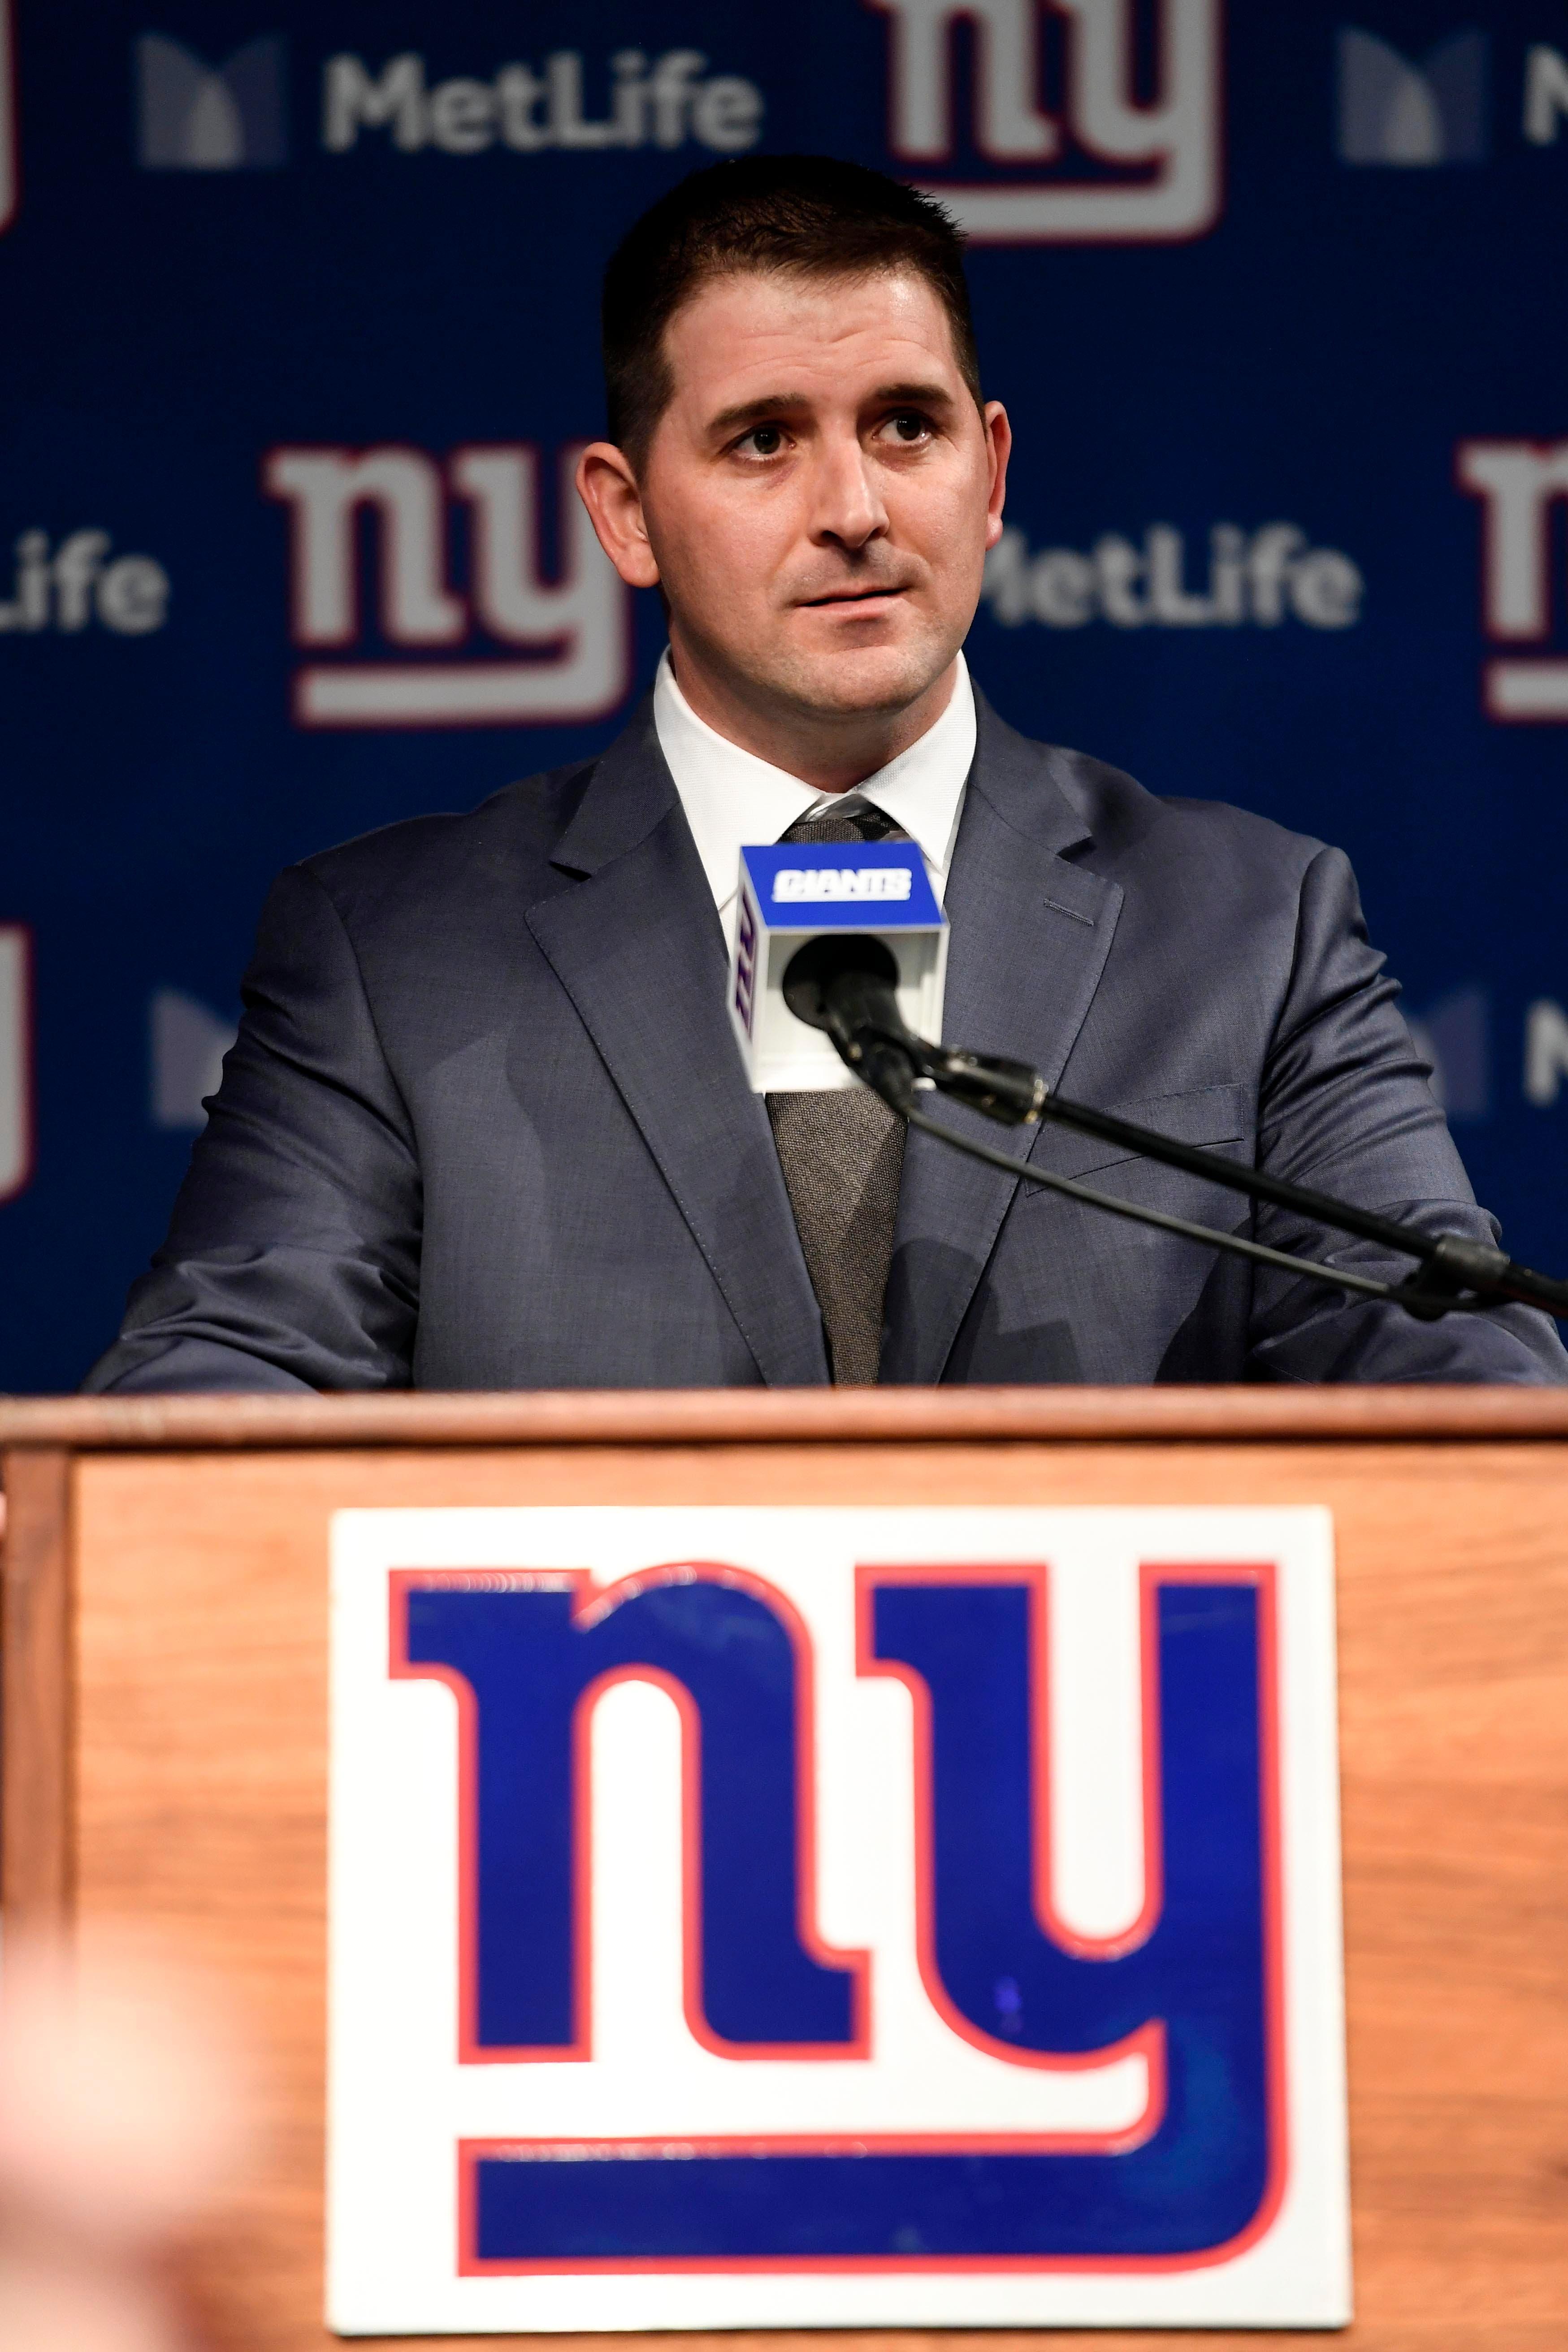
(608, 489)
(999, 443)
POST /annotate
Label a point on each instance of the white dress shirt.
(733, 799)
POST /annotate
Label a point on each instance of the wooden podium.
(165, 1731)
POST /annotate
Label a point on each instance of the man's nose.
(848, 509)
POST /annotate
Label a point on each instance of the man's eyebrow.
(914, 395)
(751, 412)
(785, 404)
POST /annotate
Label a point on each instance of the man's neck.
(830, 751)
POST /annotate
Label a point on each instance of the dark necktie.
(842, 1155)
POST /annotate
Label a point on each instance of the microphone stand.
(854, 1003)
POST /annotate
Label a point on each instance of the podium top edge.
(959, 1416)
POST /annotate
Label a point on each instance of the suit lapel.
(1031, 932)
(635, 943)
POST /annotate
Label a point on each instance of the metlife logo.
(1393, 110)
(663, 101)
(77, 584)
(1256, 578)
(1404, 113)
(195, 115)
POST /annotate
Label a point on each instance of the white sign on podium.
(834, 1917)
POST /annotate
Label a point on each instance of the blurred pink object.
(123, 2106)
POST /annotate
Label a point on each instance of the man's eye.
(909, 424)
(763, 440)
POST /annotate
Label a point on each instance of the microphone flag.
(791, 892)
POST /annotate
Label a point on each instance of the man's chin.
(865, 681)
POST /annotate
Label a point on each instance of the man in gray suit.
(486, 1126)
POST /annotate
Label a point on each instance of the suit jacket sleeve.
(1345, 1107)
(292, 1260)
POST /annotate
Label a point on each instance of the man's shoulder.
(1126, 831)
(422, 863)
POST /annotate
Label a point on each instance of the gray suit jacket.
(486, 1126)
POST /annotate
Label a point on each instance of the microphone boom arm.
(1449, 1265)
(846, 986)
(1234, 1245)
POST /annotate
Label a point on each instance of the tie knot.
(863, 823)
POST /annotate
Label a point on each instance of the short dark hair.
(801, 216)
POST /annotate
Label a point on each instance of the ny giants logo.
(10, 164)
(485, 503)
(17, 1120)
(1189, 1987)
(746, 960)
(1520, 484)
(1090, 120)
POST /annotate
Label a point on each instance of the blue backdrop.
(300, 327)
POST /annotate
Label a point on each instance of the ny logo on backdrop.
(574, 627)
(16, 1059)
(196, 117)
(9, 167)
(1520, 484)
(1089, 119)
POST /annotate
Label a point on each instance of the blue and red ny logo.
(1191, 1985)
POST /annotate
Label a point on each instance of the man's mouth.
(854, 597)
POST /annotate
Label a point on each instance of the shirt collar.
(731, 797)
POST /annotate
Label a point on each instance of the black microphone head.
(829, 957)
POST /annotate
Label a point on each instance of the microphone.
(845, 986)
(848, 987)
(820, 893)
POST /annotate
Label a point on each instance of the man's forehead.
(738, 331)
